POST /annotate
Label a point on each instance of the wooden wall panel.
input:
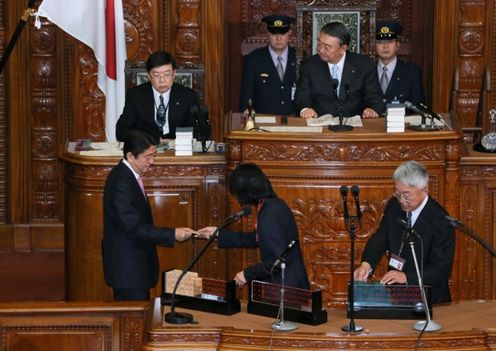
(477, 211)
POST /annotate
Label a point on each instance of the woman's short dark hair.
(160, 58)
(136, 142)
(338, 30)
(249, 184)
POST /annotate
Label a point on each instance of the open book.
(330, 120)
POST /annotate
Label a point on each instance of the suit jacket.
(438, 246)
(359, 87)
(129, 239)
(261, 83)
(276, 228)
(405, 84)
(139, 111)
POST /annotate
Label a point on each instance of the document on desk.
(415, 120)
(265, 119)
(294, 129)
(330, 120)
(103, 149)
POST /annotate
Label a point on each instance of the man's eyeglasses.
(405, 196)
(327, 47)
(165, 75)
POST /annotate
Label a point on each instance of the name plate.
(380, 301)
(300, 305)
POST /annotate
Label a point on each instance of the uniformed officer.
(269, 73)
(399, 80)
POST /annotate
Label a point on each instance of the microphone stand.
(341, 127)
(280, 324)
(427, 325)
(174, 317)
(351, 327)
(20, 26)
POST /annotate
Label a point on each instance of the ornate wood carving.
(187, 39)
(471, 65)
(341, 152)
(45, 179)
(141, 31)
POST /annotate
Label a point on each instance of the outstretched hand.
(182, 234)
(205, 233)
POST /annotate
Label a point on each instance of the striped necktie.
(384, 79)
(280, 68)
(161, 111)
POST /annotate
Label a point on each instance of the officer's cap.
(278, 24)
(387, 30)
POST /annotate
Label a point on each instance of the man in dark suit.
(158, 106)
(399, 80)
(269, 73)
(337, 81)
(130, 261)
(433, 236)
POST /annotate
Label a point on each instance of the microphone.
(335, 84)
(432, 113)
(236, 216)
(344, 194)
(174, 317)
(411, 106)
(404, 225)
(422, 110)
(453, 221)
(355, 190)
(280, 259)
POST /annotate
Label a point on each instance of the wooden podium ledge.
(467, 325)
(75, 326)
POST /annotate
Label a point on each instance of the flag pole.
(22, 22)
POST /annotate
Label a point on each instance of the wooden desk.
(467, 325)
(184, 191)
(75, 326)
(307, 170)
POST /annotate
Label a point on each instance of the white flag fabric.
(100, 25)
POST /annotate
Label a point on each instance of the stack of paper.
(395, 118)
(184, 141)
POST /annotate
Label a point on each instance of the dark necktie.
(335, 76)
(384, 80)
(280, 68)
(161, 113)
(409, 220)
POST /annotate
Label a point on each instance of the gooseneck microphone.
(412, 107)
(355, 190)
(344, 194)
(236, 216)
(422, 110)
(280, 259)
(180, 317)
(403, 224)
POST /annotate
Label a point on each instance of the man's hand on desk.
(362, 273)
(308, 113)
(394, 277)
(369, 113)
